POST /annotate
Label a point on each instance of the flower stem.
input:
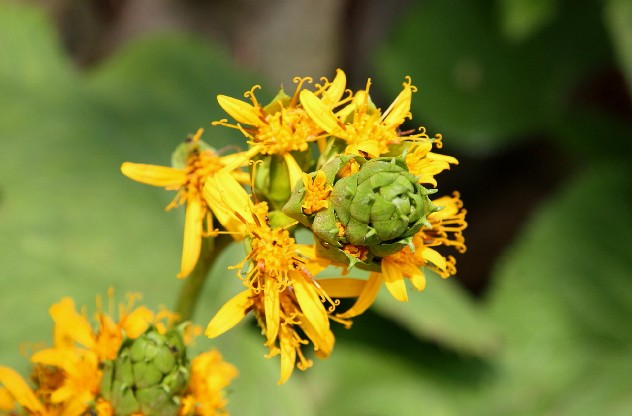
(192, 287)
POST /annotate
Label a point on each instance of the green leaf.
(359, 380)
(618, 15)
(478, 89)
(521, 19)
(563, 301)
(21, 57)
(443, 313)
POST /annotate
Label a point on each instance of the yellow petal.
(137, 322)
(242, 112)
(288, 356)
(394, 280)
(192, 241)
(366, 298)
(319, 112)
(370, 147)
(335, 90)
(310, 302)
(64, 358)
(237, 160)
(69, 324)
(225, 196)
(444, 158)
(323, 341)
(272, 309)
(77, 405)
(434, 257)
(450, 208)
(418, 280)
(400, 109)
(20, 391)
(294, 170)
(344, 287)
(6, 400)
(163, 176)
(229, 315)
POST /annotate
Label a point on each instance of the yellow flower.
(316, 193)
(189, 180)
(17, 391)
(365, 129)
(296, 307)
(446, 229)
(424, 163)
(282, 291)
(67, 382)
(71, 328)
(210, 375)
(68, 376)
(283, 126)
(81, 375)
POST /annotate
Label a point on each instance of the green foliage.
(563, 300)
(475, 86)
(521, 19)
(618, 14)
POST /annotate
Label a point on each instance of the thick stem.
(192, 286)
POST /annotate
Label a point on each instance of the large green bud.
(377, 209)
(149, 374)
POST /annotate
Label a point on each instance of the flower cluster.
(136, 365)
(328, 160)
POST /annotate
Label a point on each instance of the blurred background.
(532, 97)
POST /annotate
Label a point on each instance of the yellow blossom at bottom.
(210, 375)
(69, 379)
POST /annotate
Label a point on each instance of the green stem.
(192, 287)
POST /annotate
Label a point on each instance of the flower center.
(200, 165)
(272, 252)
(284, 131)
(316, 193)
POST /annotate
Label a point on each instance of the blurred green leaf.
(172, 78)
(618, 15)
(521, 19)
(478, 89)
(563, 301)
(21, 57)
(443, 313)
(358, 381)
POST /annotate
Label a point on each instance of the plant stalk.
(194, 283)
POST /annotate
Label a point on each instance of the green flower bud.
(149, 374)
(272, 180)
(375, 211)
(182, 152)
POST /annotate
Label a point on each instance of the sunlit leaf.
(521, 19)
(618, 16)
(443, 313)
(563, 302)
(478, 89)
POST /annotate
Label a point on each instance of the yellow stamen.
(316, 193)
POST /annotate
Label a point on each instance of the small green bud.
(149, 374)
(182, 152)
(280, 101)
(377, 209)
(146, 374)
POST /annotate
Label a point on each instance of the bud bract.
(149, 374)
